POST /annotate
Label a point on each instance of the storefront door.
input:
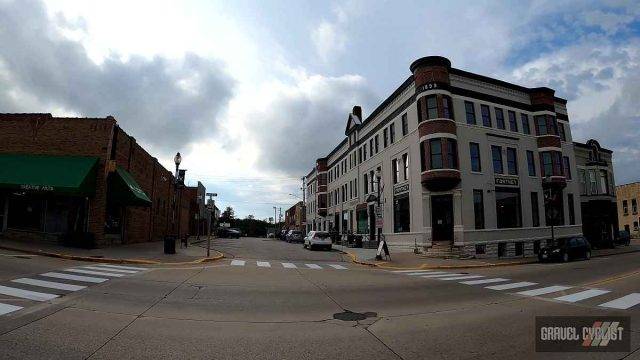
(442, 217)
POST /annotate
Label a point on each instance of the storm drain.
(353, 316)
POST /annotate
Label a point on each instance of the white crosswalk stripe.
(91, 272)
(313, 266)
(237, 262)
(122, 267)
(338, 267)
(624, 302)
(511, 285)
(461, 277)
(405, 271)
(435, 276)
(426, 273)
(49, 284)
(100, 268)
(483, 281)
(7, 308)
(544, 290)
(289, 266)
(263, 264)
(74, 277)
(582, 295)
(26, 294)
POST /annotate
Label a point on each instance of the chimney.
(357, 111)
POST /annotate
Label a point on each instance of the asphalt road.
(273, 300)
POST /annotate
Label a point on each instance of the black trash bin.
(170, 244)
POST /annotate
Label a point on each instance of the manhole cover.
(353, 316)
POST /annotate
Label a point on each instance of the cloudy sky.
(252, 92)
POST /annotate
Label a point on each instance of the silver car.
(294, 236)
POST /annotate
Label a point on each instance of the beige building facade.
(628, 197)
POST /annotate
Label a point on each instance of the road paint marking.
(313, 266)
(582, 295)
(237, 262)
(289, 266)
(461, 277)
(435, 276)
(483, 281)
(338, 267)
(109, 269)
(122, 267)
(511, 285)
(26, 294)
(624, 302)
(74, 277)
(90, 272)
(426, 273)
(49, 284)
(263, 264)
(406, 271)
(6, 308)
(544, 290)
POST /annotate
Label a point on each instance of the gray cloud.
(163, 102)
(303, 125)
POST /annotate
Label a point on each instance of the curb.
(112, 260)
(382, 265)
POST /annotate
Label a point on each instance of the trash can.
(170, 244)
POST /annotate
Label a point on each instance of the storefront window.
(25, 213)
(362, 221)
(401, 215)
(508, 208)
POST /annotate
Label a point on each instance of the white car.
(317, 239)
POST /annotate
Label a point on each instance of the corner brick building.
(82, 179)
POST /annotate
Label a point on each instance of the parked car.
(317, 239)
(294, 236)
(229, 233)
(282, 235)
(623, 238)
(566, 249)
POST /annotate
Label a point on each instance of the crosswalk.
(528, 288)
(288, 265)
(51, 285)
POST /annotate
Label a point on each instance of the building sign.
(507, 181)
(400, 189)
(36, 187)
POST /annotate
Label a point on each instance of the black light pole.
(549, 205)
(177, 160)
(378, 176)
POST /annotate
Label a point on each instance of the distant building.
(628, 196)
(83, 180)
(597, 192)
(294, 217)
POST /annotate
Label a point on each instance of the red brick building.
(82, 179)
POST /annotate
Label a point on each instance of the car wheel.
(310, 247)
(565, 257)
(329, 248)
(587, 256)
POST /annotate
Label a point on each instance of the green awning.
(66, 175)
(124, 190)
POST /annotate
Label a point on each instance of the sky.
(252, 92)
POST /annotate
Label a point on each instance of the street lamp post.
(378, 177)
(549, 205)
(212, 211)
(177, 160)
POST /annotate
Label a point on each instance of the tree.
(228, 215)
(250, 217)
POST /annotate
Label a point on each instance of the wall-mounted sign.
(36, 187)
(400, 189)
(506, 181)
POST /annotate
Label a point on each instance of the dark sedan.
(566, 249)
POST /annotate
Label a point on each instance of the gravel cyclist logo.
(582, 333)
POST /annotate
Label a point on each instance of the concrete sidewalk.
(409, 260)
(142, 253)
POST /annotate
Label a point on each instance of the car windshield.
(322, 235)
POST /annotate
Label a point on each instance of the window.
(593, 181)
(481, 249)
(405, 125)
(452, 154)
(499, 118)
(432, 107)
(364, 152)
(447, 108)
(541, 124)
(502, 249)
(635, 225)
(423, 163)
(395, 171)
(385, 138)
(371, 180)
(563, 136)
(604, 185)
(392, 132)
(513, 125)
(350, 189)
(359, 155)
(471, 112)
(535, 210)
(519, 249)
(435, 145)
(583, 181)
(496, 154)
(474, 152)
(634, 206)
(371, 146)
(536, 247)
(524, 118)
(512, 161)
(377, 143)
(401, 214)
(478, 208)
(508, 208)
(486, 115)
(405, 165)
(355, 187)
(567, 167)
(531, 163)
(572, 215)
(547, 163)
(625, 207)
(366, 184)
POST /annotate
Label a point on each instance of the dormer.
(354, 121)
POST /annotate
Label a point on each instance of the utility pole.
(212, 211)
(274, 215)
